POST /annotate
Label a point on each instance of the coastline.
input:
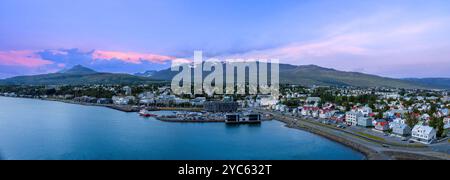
(370, 148)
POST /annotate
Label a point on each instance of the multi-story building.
(424, 134)
(351, 117)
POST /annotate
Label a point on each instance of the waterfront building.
(351, 117)
(424, 134)
(121, 100)
(85, 99)
(104, 101)
(401, 130)
(310, 110)
(382, 126)
(243, 118)
(365, 122)
(221, 106)
(198, 101)
(326, 113)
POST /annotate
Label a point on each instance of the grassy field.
(371, 136)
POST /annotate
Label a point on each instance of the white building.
(401, 130)
(351, 117)
(397, 121)
(365, 111)
(365, 122)
(127, 90)
(267, 100)
(424, 134)
(447, 123)
(120, 100)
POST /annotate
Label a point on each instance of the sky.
(392, 38)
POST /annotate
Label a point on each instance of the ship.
(146, 113)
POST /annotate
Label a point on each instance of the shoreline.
(368, 147)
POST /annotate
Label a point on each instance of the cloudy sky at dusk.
(394, 38)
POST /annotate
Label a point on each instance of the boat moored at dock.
(146, 113)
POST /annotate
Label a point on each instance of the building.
(313, 101)
(351, 117)
(266, 100)
(424, 134)
(198, 101)
(220, 106)
(365, 111)
(397, 121)
(104, 101)
(326, 113)
(309, 110)
(447, 123)
(382, 126)
(120, 100)
(85, 99)
(401, 130)
(365, 122)
(127, 90)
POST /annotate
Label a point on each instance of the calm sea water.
(35, 129)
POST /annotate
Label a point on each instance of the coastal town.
(391, 117)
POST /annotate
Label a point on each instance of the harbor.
(206, 117)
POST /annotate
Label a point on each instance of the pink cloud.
(130, 57)
(24, 58)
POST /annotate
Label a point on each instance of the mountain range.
(77, 75)
(306, 75)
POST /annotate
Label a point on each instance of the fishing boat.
(146, 113)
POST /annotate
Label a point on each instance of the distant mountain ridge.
(78, 69)
(77, 75)
(309, 75)
(146, 73)
(306, 75)
(431, 82)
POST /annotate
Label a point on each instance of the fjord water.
(36, 129)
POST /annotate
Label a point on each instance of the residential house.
(309, 111)
(401, 130)
(365, 122)
(424, 134)
(382, 125)
(326, 113)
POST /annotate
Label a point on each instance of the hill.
(440, 83)
(309, 75)
(78, 75)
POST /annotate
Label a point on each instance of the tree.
(411, 120)
(438, 124)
